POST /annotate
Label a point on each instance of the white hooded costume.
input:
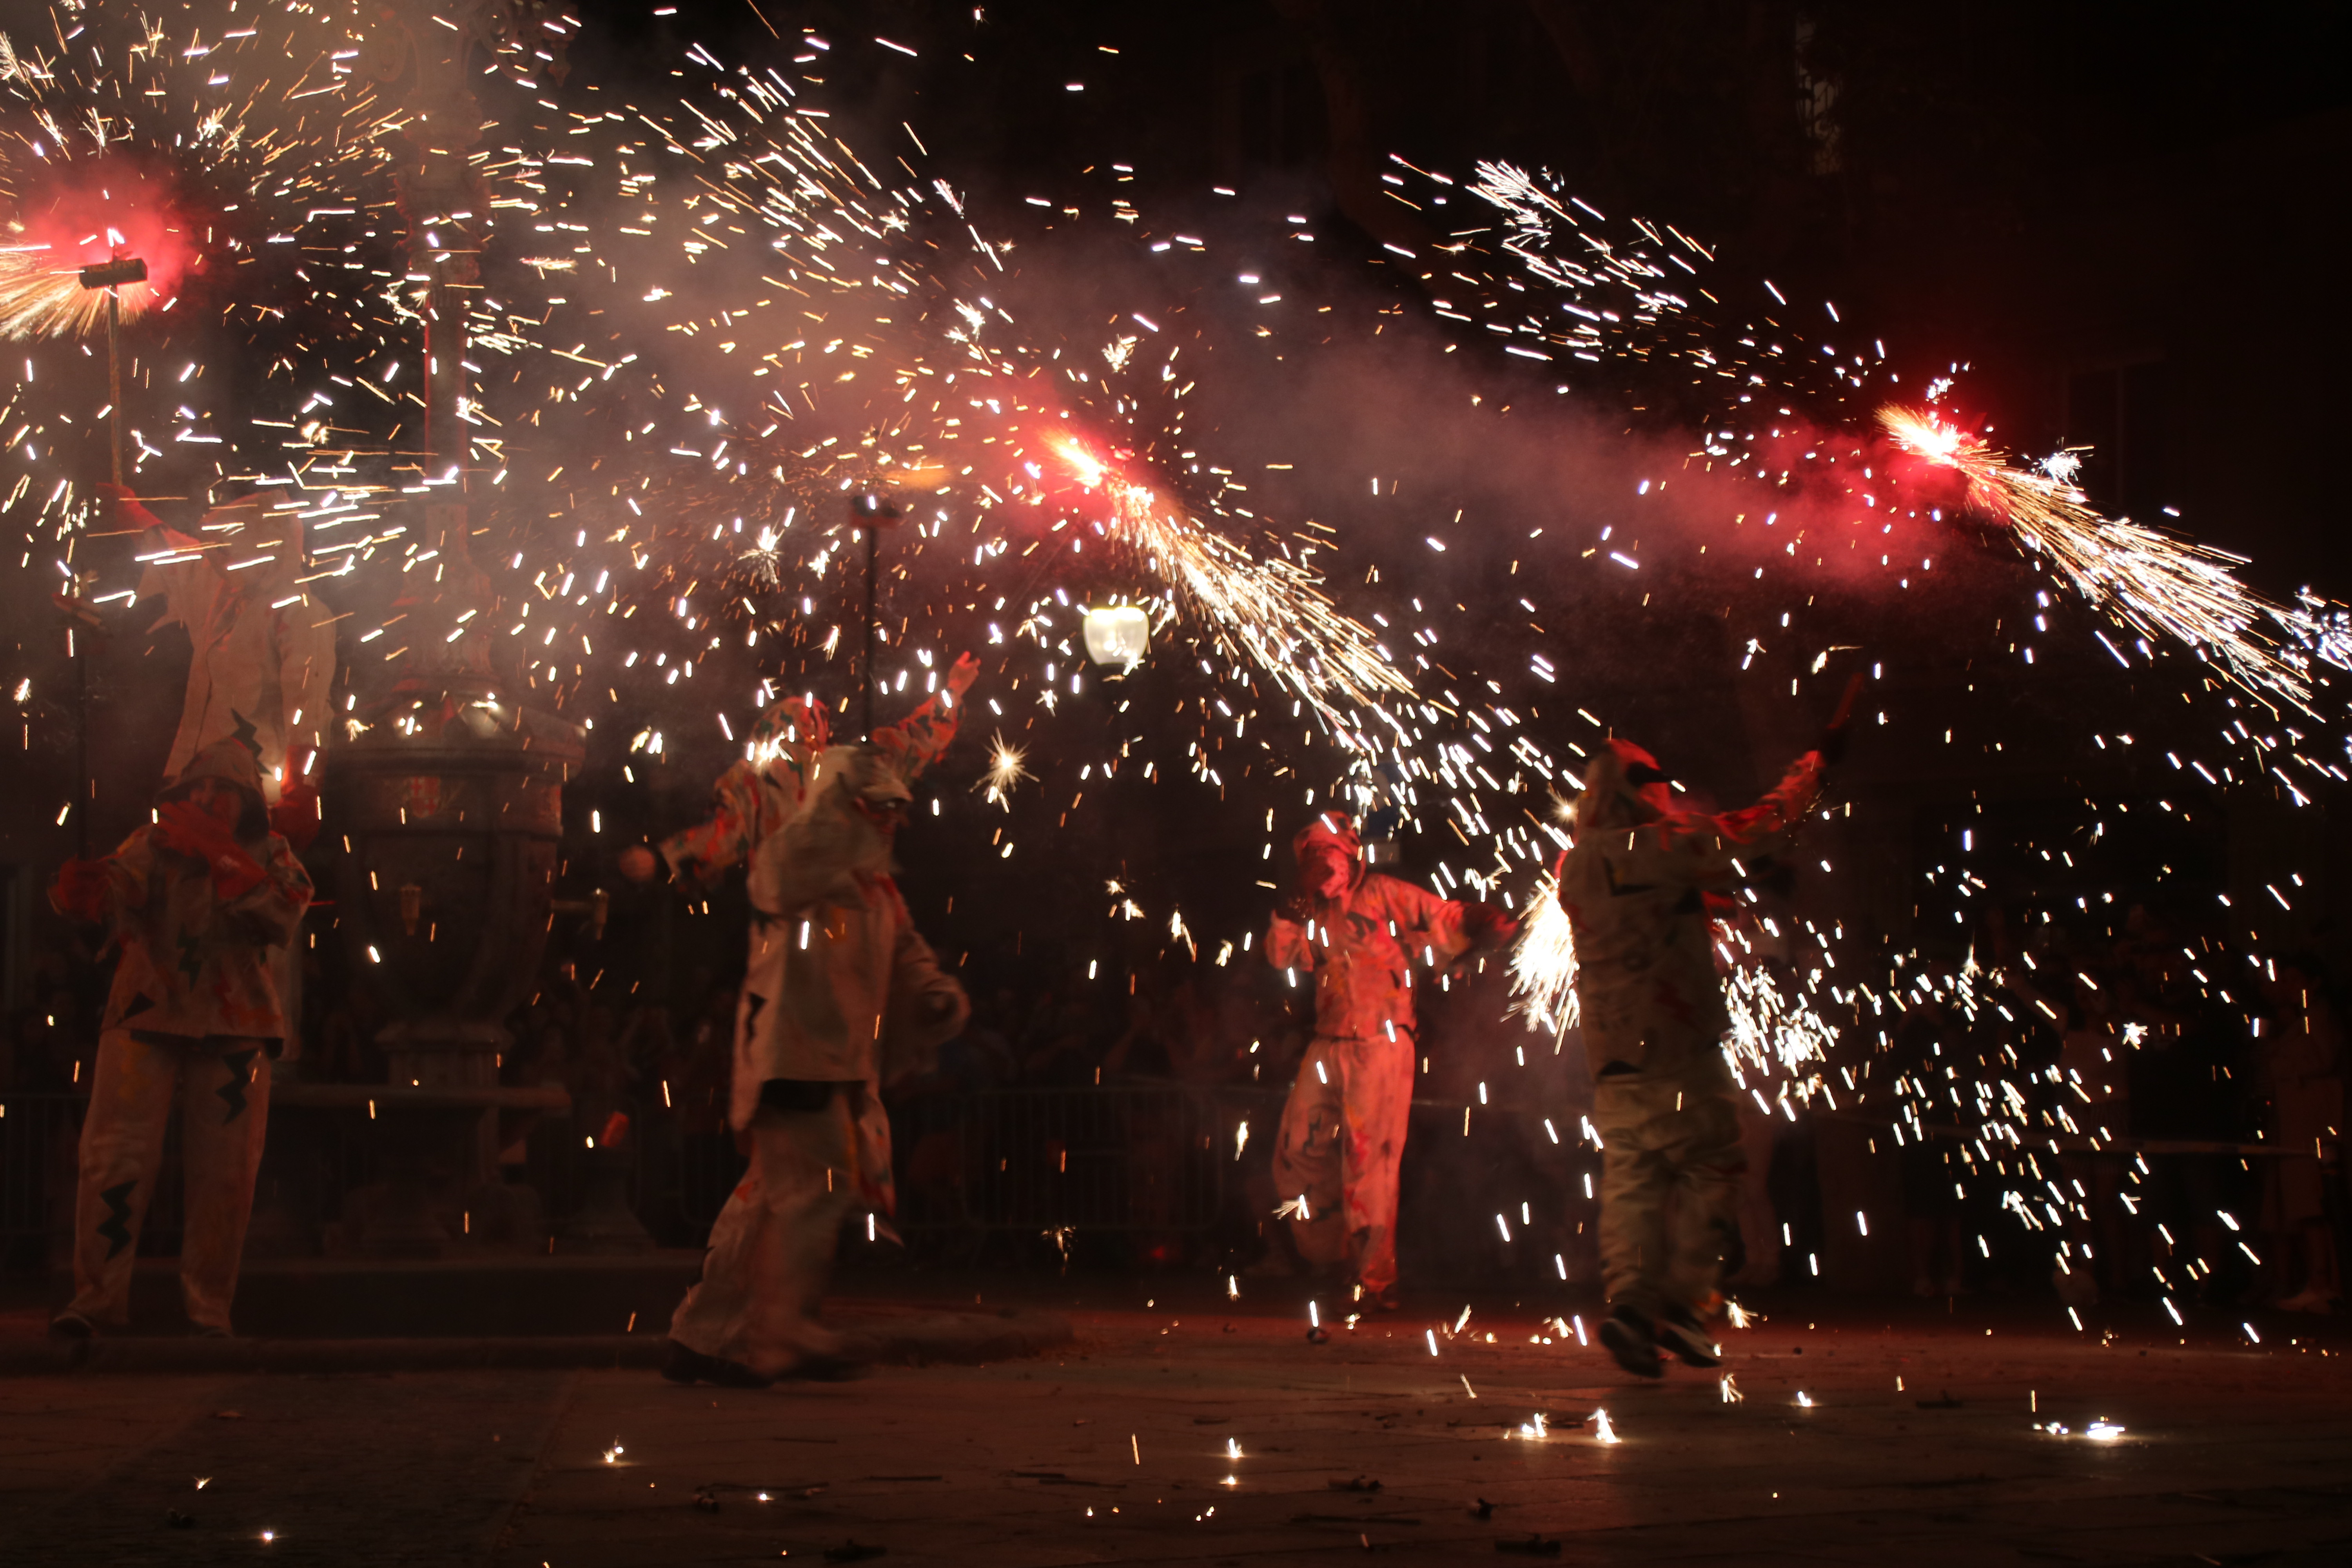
(1635, 886)
(842, 993)
(261, 668)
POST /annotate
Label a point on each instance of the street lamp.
(1118, 633)
(873, 511)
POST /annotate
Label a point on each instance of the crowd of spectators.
(2194, 1091)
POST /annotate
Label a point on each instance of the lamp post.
(872, 511)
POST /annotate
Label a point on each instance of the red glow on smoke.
(104, 210)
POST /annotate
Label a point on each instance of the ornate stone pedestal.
(451, 799)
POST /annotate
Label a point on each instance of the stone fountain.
(449, 789)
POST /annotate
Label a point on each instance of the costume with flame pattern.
(1343, 1127)
(196, 900)
(842, 995)
(261, 664)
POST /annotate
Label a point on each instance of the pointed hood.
(865, 773)
(232, 762)
(784, 737)
(1623, 786)
(1335, 828)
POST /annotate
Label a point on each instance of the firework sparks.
(852, 300)
(1272, 612)
(2150, 582)
(1005, 769)
(1773, 1033)
(1543, 962)
(1625, 295)
(248, 164)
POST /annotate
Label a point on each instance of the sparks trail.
(1617, 300)
(1270, 612)
(2150, 581)
(249, 160)
(812, 263)
(1543, 962)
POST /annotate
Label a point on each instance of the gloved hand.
(191, 830)
(1294, 905)
(295, 818)
(1486, 925)
(188, 828)
(80, 889)
(128, 512)
(962, 674)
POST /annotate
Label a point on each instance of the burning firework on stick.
(1623, 303)
(2150, 582)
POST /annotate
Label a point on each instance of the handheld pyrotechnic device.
(1833, 733)
(111, 275)
(115, 273)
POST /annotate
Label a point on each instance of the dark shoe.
(683, 1365)
(1627, 1335)
(1385, 1300)
(71, 1325)
(209, 1331)
(1688, 1338)
(828, 1369)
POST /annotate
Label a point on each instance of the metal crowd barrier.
(1138, 1158)
(1147, 1160)
(40, 1135)
(1151, 1159)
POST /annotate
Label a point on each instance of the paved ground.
(1199, 1430)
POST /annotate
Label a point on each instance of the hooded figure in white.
(264, 654)
(842, 994)
(1636, 887)
(261, 666)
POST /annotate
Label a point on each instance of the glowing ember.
(2148, 581)
(1004, 771)
(96, 212)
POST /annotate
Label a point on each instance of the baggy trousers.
(221, 1085)
(1670, 1169)
(772, 1249)
(1759, 1228)
(1341, 1140)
